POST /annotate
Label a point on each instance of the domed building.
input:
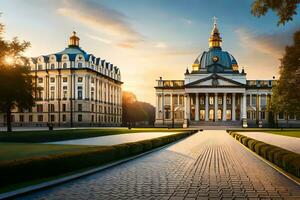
(73, 88)
(214, 92)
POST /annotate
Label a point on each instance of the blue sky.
(150, 38)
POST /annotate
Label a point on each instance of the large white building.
(73, 88)
(215, 93)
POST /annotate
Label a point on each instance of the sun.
(9, 60)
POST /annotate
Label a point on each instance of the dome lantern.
(74, 40)
(215, 39)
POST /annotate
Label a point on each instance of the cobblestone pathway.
(286, 142)
(208, 165)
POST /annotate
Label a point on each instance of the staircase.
(215, 125)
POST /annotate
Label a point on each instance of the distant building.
(73, 88)
(215, 93)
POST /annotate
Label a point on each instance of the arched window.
(65, 65)
(52, 66)
(219, 114)
(211, 114)
(228, 114)
(79, 65)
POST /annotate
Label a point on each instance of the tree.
(286, 95)
(16, 86)
(285, 9)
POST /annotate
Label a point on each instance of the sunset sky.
(150, 38)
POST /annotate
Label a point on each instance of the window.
(228, 100)
(211, 100)
(292, 116)
(219, 114)
(263, 100)
(52, 66)
(64, 118)
(92, 108)
(39, 108)
(202, 114)
(65, 92)
(79, 92)
(248, 100)
(40, 80)
(281, 115)
(52, 93)
(40, 118)
(254, 100)
(167, 114)
(202, 100)
(21, 118)
(220, 100)
(181, 99)
(65, 65)
(52, 79)
(65, 79)
(92, 118)
(79, 107)
(52, 108)
(167, 100)
(79, 65)
(248, 114)
(228, 114)
(30, 119)
(92, 80)
(92, 93)
(64, 106)
(40, 66)
(211, 114)
(79, 118)
(263, 115)
(52, 118)
(79, 80)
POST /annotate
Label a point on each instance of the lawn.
(295, 133)
(13, 151)
(70, 134)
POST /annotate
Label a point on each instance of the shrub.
(251, 144)
(278, 155)
(122, 150)
(270, 155)
(265, 150)
(258, 146)
(245, 141)
(135, 148)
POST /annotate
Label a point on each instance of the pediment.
(215, 81)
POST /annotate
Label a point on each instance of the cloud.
(271, 43)
(160, 45)
(101, 18)
(103, 40)
(187, 21)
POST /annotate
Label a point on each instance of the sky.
(148, 39)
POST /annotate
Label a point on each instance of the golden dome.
(215, 39)
(74, 40)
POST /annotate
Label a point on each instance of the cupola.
(74, 40)
(215, 39)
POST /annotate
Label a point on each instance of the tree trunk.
(287, 119)
(8, 119)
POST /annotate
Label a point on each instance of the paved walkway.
(207, 165)
(286, 142)
(115, 139)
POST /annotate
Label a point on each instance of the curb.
(275, 167)
(58, 181)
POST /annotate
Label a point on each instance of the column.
(244, 106)
(241, 106)
(233, 107)
(224, 107)
(259, 108)
(216, 106)
(162, 106)
(250, 102)
(197, 108)
(157, 107)
(185, 106)
(171, 106)
(206, 106)
(188, 107)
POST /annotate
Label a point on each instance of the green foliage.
(35, 168)
(287, 160)
(284, 9)
(16, 85)
(285, 94)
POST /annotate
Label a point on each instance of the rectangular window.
(52, 108)
(79, 80)
(263, 100)
(64, 107)
(202, 100)
(79, 118)
(30, 119)
(21, 118)
(220, 100)
(228, 100)
(79, 107)
(92, 118)
(65, 79)
(263, 115)
(39, 108)
(92, 108)
(248, 100)
(281, 115)
(181, 98)
(40, 118)
(79, 92)
(64, 118)
(40, 80)
(211, 100)
(292, 116)
(52, 117)
(52, 79)
(254, 100)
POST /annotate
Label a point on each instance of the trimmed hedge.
(287, 160)
(29, 169)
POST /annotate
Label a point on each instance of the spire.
(74, 40)
(215, 39)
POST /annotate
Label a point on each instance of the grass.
(13, 151)
(55, 161)
(286, 133)
(70, 134)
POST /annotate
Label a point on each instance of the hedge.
(30, 169)
(287, 160)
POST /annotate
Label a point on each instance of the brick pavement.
(208, 165)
